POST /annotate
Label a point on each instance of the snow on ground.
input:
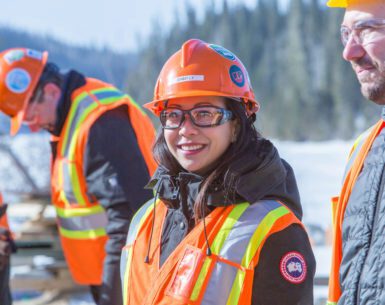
(318, 167)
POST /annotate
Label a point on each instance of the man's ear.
(52, 91)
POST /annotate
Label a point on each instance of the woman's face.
(198, 148)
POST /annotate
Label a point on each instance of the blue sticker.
(293, 267)
(237, 76)
(18, 80)
(222, 51)
(35, 54)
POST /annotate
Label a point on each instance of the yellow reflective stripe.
(255, 242)
(259, 234)
(60, 182)
(68, 213)
(201, 278)
(89, 234)
(331, 303)
(237, 287)
(127, 276)
(73, 173)
(227, 226)
(71, 114)
(124, 95)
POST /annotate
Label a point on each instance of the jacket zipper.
(378, 202)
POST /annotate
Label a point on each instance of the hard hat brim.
(157, 106)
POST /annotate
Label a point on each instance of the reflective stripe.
(105, 94)
(226, 281)
(138, 219)
(82, 106)
(126, 272)
(255, 242)
(125, 261)
(356, 149)
(331, 303)
(201, 278)
(79, 211)
(83, 223)
(91, 234)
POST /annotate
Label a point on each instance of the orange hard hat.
(203, 69)
(20, 71)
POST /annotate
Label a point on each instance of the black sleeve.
(286, 268)
(116, 172)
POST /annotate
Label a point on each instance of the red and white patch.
(293, 267)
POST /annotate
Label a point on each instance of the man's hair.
(247, 136)
(51, 74)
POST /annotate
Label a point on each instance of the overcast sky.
(115, 23)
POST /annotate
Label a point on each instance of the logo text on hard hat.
(222, 51)
(18, 80)
(237, 76)
(13, 55)
(187, 78)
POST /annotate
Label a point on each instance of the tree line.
(293, 56)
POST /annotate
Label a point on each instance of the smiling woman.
(225, 219)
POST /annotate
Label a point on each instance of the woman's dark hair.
(246, 136)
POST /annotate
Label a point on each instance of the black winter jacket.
(263, 175)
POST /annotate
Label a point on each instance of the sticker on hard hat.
(222, 51)
(18, 80)
(293, 267)
(13, 55)
(187, 78)
(35, 54)
(237, 76)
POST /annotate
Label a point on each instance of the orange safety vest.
(81, 219)
(3, 219)
(236, 235)
(356, 161)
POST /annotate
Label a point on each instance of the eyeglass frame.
(227, 115)
(370, 24)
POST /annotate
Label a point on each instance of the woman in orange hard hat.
(224, 226)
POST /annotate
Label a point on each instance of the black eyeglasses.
(201, 116)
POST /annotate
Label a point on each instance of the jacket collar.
(260, 174)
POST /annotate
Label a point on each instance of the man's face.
(367, 53)
(41, 111)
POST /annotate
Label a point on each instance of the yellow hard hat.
(346, 3)
(337, 3)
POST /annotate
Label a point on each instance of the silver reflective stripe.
(83, 223)
(222, 280)
(238, 239)
(134, 225)
(233, 249)
(123, 266)
(108, 94)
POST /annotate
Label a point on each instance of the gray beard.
(375, 92)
